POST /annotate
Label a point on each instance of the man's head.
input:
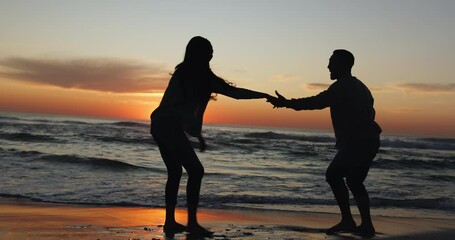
(340, 64)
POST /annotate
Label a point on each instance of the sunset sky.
(113, 58)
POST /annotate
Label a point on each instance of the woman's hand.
(202, 145)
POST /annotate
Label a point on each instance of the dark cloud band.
(107, 75)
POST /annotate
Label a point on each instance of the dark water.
(99, 161)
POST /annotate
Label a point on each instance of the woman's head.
(199, 51)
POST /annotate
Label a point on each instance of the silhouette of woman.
(181, 111)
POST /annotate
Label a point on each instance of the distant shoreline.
(328, 131)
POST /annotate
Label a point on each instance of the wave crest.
(272, 135)
(130, 124)
(27, 137)
(104, 163)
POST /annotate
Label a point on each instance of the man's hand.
(270, 98)
(278, 101)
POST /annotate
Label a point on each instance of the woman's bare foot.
(173, 228)
(198, 230)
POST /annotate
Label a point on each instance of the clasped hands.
(277, 102)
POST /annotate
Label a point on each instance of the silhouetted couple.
(181, 112)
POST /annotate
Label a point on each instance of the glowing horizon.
(114, 60)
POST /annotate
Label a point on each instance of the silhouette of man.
(357, 139)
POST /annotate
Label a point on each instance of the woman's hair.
(198, 53)
(195, 66)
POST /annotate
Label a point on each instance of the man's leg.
(355, 178)
(362, 200)
(334, 177)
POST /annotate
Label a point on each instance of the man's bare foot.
(342, 227)
(366, 231)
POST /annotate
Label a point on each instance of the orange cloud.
(427, 88)
(316, 86)
(99, 74)
(284, 78)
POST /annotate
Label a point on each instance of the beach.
(25, 219)
(87, 178)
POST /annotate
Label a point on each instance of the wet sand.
(22, 219)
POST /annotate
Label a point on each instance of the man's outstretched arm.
(320, 101)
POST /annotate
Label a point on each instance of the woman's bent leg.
(164, 137)
(174, 174)
(195, 172)
(177, 151)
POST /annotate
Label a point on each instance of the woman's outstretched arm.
(222, 87)
(243, 93)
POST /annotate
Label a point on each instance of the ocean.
(77, 160)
